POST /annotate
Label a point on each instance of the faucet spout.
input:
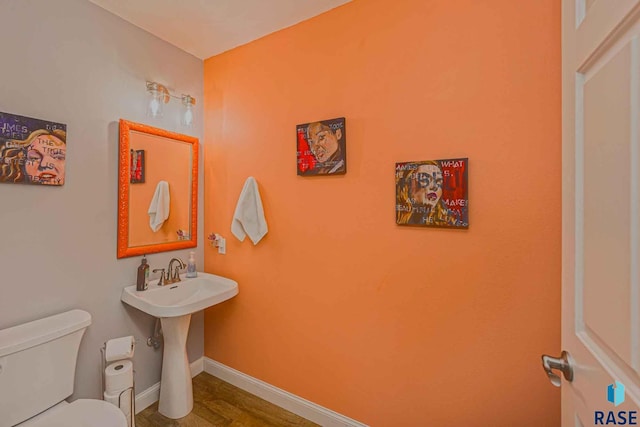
(176, 272)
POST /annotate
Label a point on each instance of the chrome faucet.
(176, 272)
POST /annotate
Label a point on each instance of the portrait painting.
(433, 193)
(32, 151)
(322, 147)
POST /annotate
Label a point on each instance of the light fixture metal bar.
(153, 86)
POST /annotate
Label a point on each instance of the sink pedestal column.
(176, 390)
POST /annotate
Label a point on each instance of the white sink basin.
(174, 304)
(184, 297)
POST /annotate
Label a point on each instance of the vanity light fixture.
(160, 95)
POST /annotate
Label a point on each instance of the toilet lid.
(83, 413)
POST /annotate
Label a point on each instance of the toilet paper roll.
(118, 376)
(119, 348)
(125, 404)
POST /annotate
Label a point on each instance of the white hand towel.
(159, 207)
(249, 216)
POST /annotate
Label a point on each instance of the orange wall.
(165, 160)
(390, 325)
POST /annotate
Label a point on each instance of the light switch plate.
(222, 246)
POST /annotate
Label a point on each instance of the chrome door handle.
(562, 363)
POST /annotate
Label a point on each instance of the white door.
(601, 210)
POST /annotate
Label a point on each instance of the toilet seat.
(80, 413)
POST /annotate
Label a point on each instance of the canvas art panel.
(322, 147)
(32, 151)
(433, 193)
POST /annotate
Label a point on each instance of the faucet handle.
(176, 272)
(161, 270)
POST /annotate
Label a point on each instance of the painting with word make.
(32, 151)
(433, 193)
(322, 147)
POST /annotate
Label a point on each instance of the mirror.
(157, 190)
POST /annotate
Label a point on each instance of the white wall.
(70, 61)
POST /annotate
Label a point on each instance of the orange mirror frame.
(124, 174)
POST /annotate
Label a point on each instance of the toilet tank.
(38, 364)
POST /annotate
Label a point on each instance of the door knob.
(562, 363)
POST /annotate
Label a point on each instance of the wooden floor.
(219, 404)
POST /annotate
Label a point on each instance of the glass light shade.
(158, 96)
(187, 111)
(155, 108)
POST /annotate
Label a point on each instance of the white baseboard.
(299, 406)
(197, 367)
(148, 397)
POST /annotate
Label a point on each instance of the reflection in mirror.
(157, 209)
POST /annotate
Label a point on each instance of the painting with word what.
(433, 193)
(322, 147)
(32, 151)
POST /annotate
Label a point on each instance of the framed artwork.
(433, 193)
(137, 167)
(32, 151)
(322, 148)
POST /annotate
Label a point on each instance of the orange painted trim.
(123, 191)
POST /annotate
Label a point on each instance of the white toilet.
(37, 371)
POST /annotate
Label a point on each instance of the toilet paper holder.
(132, 402)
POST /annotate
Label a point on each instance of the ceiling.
(208, 27)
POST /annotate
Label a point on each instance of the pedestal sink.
(174, 304)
